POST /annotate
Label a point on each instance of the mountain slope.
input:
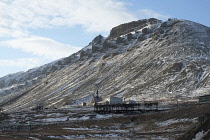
(145, 59)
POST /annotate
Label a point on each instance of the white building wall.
(115, 100)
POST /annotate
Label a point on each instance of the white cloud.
(93, 15)
(147, 13)
(18, 17)
(41, 46)
(23, 63)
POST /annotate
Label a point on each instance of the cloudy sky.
(36, 32)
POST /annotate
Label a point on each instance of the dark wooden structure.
(204, 99)
(126, 107)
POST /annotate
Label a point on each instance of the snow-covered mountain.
(146, 59)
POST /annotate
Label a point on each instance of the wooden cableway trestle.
(125, 107)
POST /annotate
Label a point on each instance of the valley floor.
(82, 123)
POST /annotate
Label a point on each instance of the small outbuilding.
(84, 104)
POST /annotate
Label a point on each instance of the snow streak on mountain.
(145, 59)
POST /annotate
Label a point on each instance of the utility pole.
(29, 128)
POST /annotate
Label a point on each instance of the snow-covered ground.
(83, 123)
(174, 121)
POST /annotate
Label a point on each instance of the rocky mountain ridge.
(144, 60)
(18, 81)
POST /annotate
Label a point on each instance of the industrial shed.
(112, 100)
